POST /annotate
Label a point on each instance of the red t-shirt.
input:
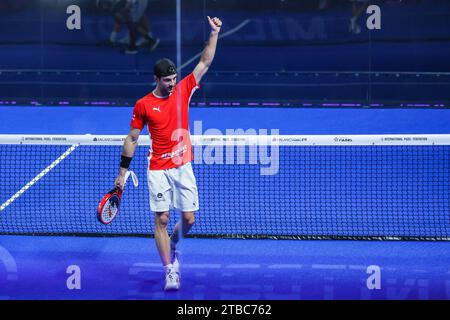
(168, 127)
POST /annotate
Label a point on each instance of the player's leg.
(162, 237)
(172, 279)
(160, 202)
(147, 38)
(358, 8)
(132, 30)
(188, 221)
(143, 26)
(183, 226)
(115, 31)
(185, 199)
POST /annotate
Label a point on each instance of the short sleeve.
(138, 118)
(189, 85)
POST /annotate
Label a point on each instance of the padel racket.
(109, 206)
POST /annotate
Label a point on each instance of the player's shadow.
(146, 282)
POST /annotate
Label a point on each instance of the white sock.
(168, 267)
(113, 36)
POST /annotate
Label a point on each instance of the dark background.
(289, 53)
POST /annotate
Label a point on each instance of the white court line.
(201, 266)
(38, 177)
(187, 265)
(329, 266)
(243, 266)
(146, 265)
(254, 266)
(356, 267)
(421, 271)
(391, 269)
(227, 274)
(285, 266)
(219, 266)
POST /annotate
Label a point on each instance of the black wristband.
(125, 162)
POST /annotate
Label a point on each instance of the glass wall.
(318, 53)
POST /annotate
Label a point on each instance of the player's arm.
(210, 49)
(128, 149)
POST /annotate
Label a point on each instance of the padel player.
(171, 180)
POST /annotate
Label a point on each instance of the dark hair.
(164, 67)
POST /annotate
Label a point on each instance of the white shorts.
(138, 10)
(173, 188)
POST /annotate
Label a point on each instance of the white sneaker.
(153, 44)
(172, 281)
(176, 263)
(131, 50)
(125, 40)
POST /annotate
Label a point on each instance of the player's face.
(167, 84)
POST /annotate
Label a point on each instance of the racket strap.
(133, 178)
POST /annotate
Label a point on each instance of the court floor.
(36, 267)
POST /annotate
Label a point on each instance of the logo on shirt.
(157, 109)
(175, 153)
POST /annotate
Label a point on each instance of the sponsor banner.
(231, 140)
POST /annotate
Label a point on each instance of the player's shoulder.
(188, 76)
(189, 81)
(145, 99)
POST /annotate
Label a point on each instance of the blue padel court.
(320, 136)
(218, 269)
(245, 246)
